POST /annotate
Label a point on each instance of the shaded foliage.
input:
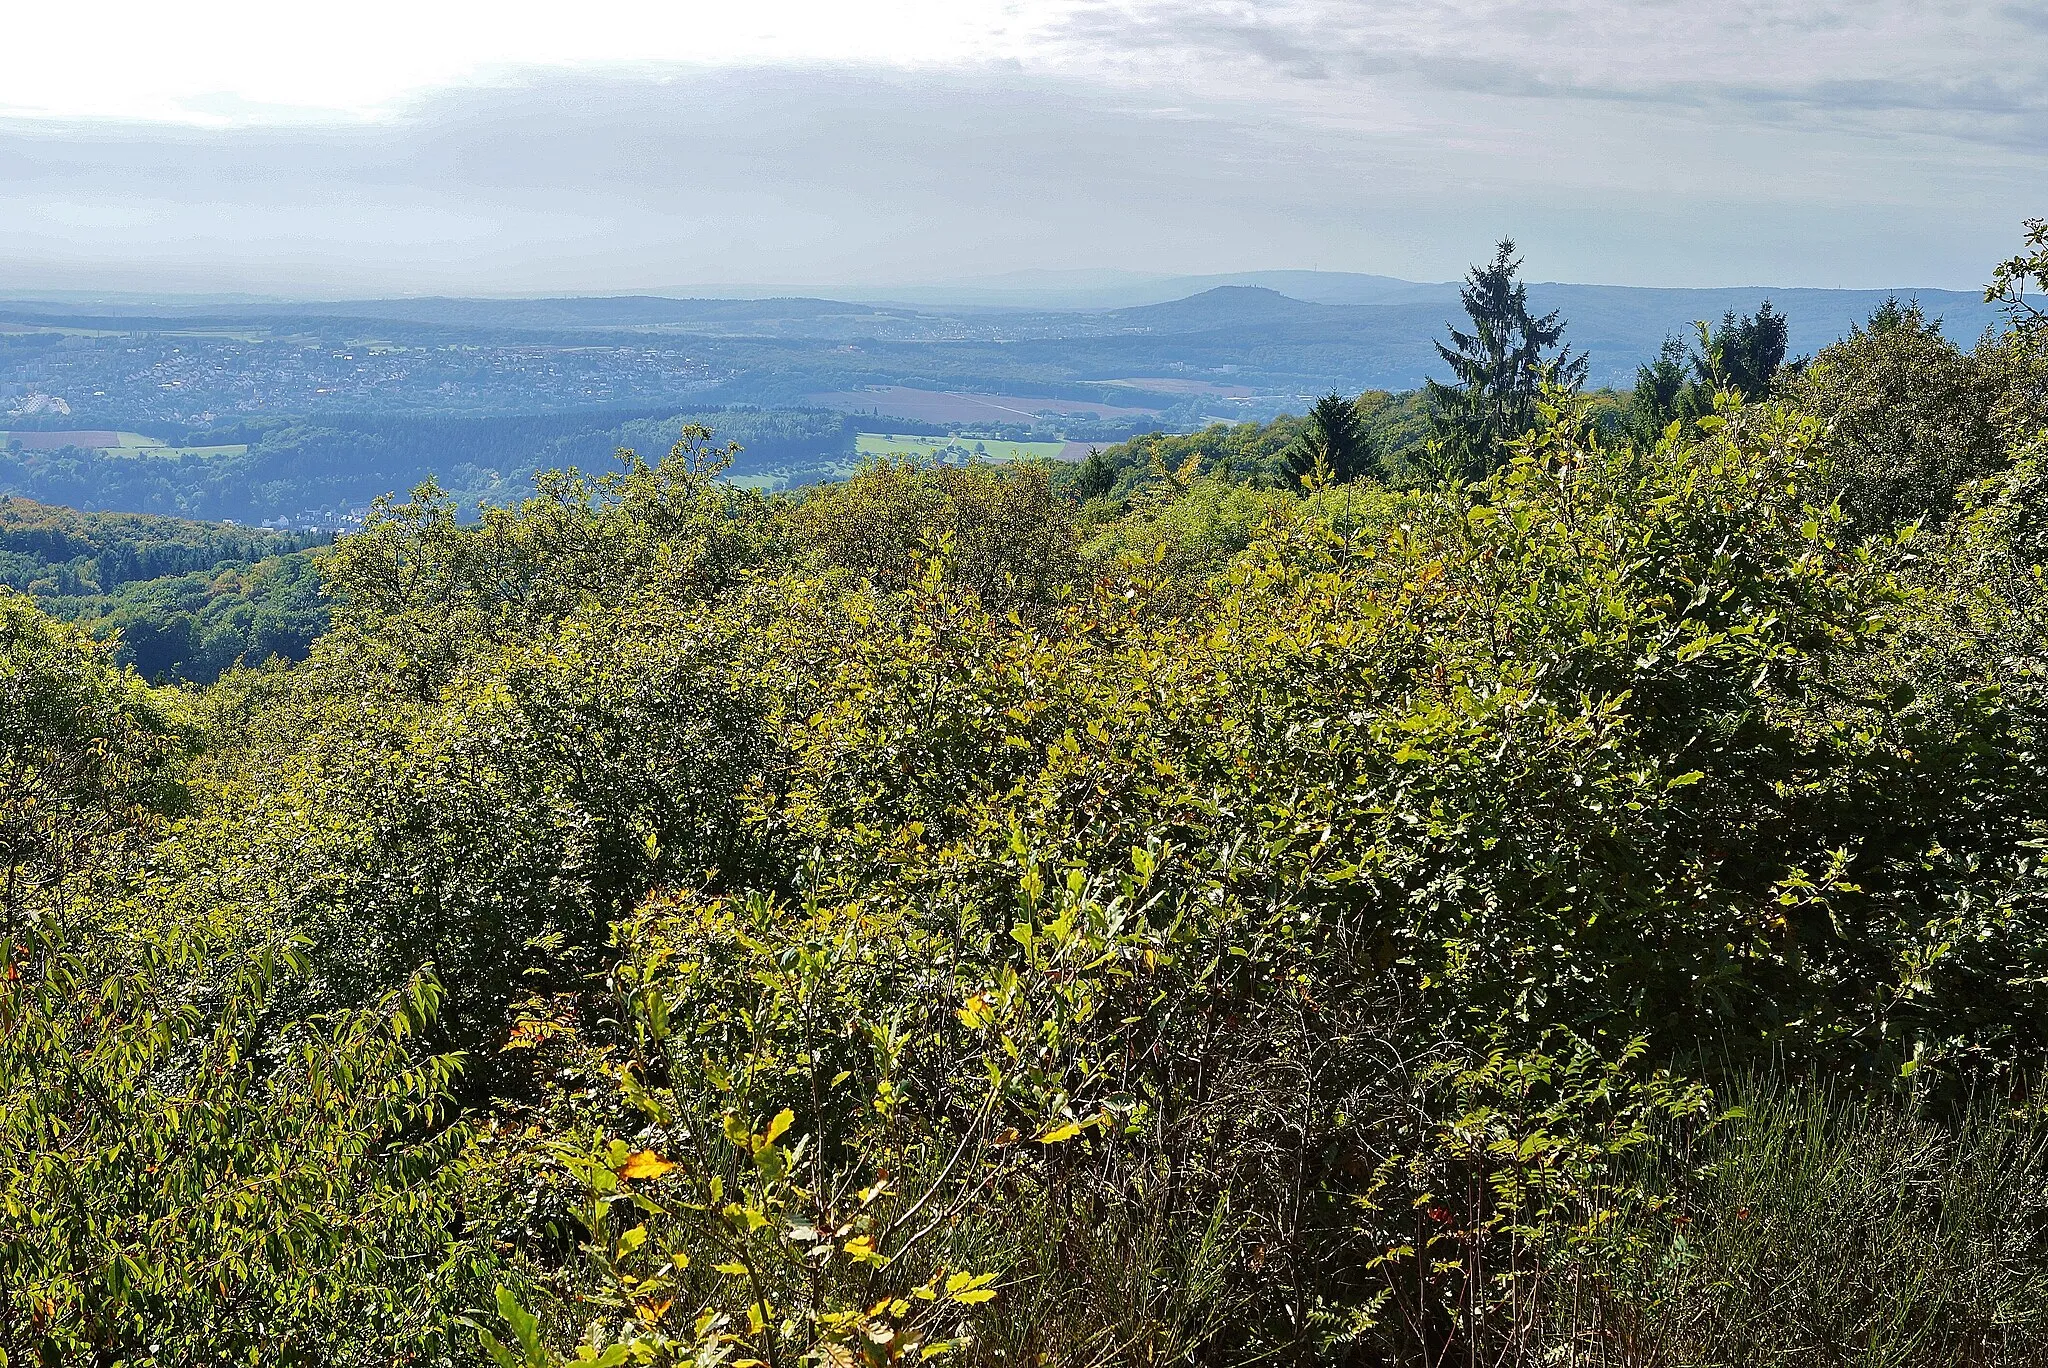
(1741, 356)
(1910, 416)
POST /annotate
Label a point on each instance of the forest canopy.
(1575, 899)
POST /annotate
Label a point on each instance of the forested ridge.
(330, 464)
(1503, 875)
(177, 599)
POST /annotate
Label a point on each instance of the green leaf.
(500, 1355)
(525, 1325)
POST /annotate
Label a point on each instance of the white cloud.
(817, 177)
(213, 62)
(618, 144)
(1976, 69)
(1970, 67)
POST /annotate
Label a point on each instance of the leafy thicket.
(1910, 415)
(1589, 913)
(1393, 427)
(195, 627)
(44, 549)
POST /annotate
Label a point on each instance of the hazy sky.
(615, 145)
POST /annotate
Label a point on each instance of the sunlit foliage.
(1592, 911)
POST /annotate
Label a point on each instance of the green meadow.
(955, 448)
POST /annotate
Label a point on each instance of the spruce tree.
(1500, 367)
(1660, 394)
(1335, 438)
(1744, 354)
(1094, 478)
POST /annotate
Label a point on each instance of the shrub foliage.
(1592, 913)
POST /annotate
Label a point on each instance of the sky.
(812, 145)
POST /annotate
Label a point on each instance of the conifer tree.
(1500, 367)
(1094, 478)
(1744, 354)
(1336, 440)
(1662, 389)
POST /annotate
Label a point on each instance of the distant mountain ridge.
(1175, 351)
(1620, 325)
(1051, 292)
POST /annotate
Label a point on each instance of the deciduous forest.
(1495, 875)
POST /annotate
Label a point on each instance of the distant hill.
(619, 311)
(1616, 322)
(322, 471)
(1103, 290)
(265, 409)
(1365, 330)
(1831, 310)
(1226, 306)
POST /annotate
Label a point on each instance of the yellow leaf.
(781, 1123)
(1059, 1135)
(969, 1289)
(861, 1249)
(644, 1164)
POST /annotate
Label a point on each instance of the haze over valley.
(371, 396)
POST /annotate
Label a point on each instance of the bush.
(1305, 928)
(1909, 417)
(1005, 531)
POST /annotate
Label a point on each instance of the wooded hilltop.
(1499, 874)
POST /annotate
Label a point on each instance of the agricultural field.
(160, 449)
(112, 443)
(959, 448)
